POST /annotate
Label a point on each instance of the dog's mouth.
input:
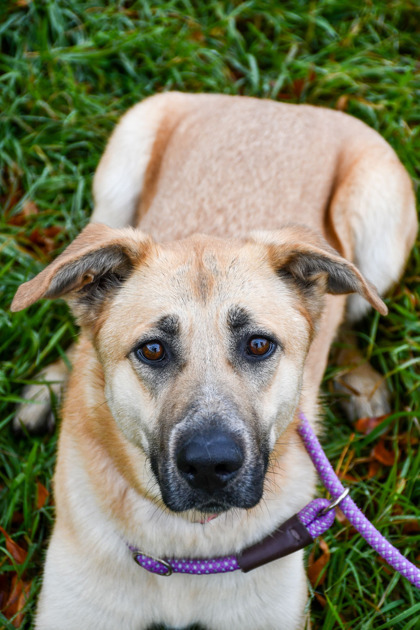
(207, 519)
(182, 495)
(213, 509)
(211, 467)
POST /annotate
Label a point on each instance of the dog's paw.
(36, 415)
(365, 393)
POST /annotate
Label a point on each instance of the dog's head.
(202, 343)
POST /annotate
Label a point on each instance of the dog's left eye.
(151, 352)
(259, 347)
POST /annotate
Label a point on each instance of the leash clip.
(334, 504)
(149, 562)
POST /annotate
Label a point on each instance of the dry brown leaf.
(44, 240)
(411, 527)
(197, 35)
(315, 567)
(321, 599)
(406, 439)
(16, 601)
(29, 208)
(350, 478)
(342, 102)
(366, 425)
(382, 455)
(18, 554)
(18, 219)
(42, 495)
(374, 468)
(298, 85)
(341, 518)
(411, 296)
(17, 518)
(4, 589)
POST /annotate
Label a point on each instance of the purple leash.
(297, 532)
(350, 509)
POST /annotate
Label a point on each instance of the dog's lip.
(207, 519)
(209, 512)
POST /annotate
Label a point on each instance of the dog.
(260, 228)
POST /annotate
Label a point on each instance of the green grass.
(68, 69)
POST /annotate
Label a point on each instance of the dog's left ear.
(91, 269)
(300, 255)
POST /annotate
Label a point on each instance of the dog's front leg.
(82, 592)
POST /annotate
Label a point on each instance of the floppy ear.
(92, 267)
(303, 257)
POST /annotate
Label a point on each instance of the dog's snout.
(209, 460)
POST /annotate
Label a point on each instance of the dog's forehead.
(202, 270)
(202, 283)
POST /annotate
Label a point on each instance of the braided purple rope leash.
(350, 509)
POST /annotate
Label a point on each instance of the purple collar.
(297, 532)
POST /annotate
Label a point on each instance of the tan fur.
(238, 172)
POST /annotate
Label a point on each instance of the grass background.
(68, 69)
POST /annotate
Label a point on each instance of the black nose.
(209, 460)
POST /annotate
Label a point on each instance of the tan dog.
(198, 349)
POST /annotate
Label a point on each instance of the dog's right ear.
(92, 267)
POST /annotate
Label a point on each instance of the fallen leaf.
(321, 599)
(350, 478)
(283, 96)
(374, 468)
(29, 208)
(197, 35)
(315, 567)
(405, 439)
(411, 527)
(4, 589)
(382, 455)
(17, 518)
(366, 425)
(342, 102)
(42, 494)
(298, 85)
(16, 601)
(411, 296)
(44, 240)
(341, 518)
(18, 219)
(18, 554)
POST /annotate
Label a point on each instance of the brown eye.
(151, 351)
(259, 347)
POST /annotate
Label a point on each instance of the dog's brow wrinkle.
(168, 324)
(238, 317)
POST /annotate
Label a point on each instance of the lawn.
(68, 69)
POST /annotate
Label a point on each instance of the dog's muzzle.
(209, 460)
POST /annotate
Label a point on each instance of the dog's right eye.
(151, 352)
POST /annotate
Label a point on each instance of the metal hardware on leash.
(355, 516)
(165, 564)
(334, 504)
